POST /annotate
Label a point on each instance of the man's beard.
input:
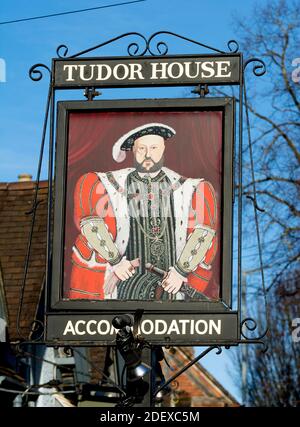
(154, 168)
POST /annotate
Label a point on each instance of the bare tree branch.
(284, 72)
(290, 143)
(274, 178)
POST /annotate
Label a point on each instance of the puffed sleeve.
(198, 254)
(91, 202)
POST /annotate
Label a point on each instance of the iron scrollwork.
(36, 74)
(259, 69)
(163, 44)
(37, 330)
(233, 46)
(133, 49)
(186, 367)
(62, 51)
(159, 48)
(251, 325)
(259, 66)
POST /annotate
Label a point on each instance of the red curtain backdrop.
(195, 151)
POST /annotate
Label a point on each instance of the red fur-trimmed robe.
(95, 195)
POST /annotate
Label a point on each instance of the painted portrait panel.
(143, 211)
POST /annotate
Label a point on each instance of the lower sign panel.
(163, 329)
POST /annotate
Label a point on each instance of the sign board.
(147, 71)
(183, 329)
(143, 217)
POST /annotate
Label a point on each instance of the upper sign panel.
(147, 71)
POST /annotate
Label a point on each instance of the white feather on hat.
(119, 154)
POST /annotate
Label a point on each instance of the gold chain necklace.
(158, 236)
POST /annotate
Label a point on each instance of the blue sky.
(24, 44)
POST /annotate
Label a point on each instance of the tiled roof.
(16, 200)
(196, 387)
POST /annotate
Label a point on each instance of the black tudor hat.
(125, 143)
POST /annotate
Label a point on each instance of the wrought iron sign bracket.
(201, 90)
(145, 56)
(90, 93)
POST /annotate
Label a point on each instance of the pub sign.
(143, 205)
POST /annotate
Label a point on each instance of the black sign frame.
(55, 301)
